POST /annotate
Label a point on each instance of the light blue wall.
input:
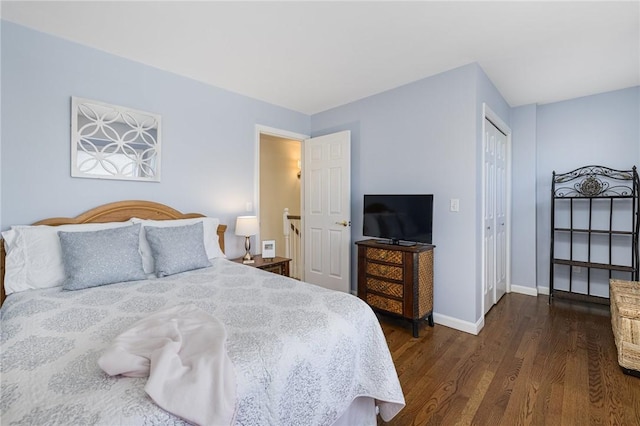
(208, 134)
(423, 138)
(601, 129)
(523, 199)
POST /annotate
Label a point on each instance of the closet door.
(495, 214)
(489, 232)
(501, 214)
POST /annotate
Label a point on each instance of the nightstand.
(277, 265)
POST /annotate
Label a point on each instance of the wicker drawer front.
(385, 271)
(386, 287)
(389, 305)
(390, 256)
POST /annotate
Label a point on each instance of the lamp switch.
(454, 205)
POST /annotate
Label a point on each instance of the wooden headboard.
(119, 211)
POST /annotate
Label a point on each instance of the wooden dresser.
(397, 280)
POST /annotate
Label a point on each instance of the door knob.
(344, 223)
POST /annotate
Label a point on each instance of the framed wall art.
(114, 142)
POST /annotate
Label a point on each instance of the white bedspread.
(301, 353)
(183, 352)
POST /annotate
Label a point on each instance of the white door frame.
(489, 114)
(285, 134)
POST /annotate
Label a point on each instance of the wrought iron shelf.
(593, 265)
(581, 297)
(584, 197)
(593, 193)
(594, 231)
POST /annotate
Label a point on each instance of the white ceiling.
(312, 56)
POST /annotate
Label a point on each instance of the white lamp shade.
(247, 225)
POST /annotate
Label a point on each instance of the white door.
(495, 160)
(500, 214)
(327, 210)
(489, 241)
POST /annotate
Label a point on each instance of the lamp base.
(247, 256)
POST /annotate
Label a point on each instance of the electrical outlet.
(454, 205)
(249, 206)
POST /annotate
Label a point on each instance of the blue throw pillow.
(177, 249)
(101, 257)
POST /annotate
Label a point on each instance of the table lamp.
(246, 226)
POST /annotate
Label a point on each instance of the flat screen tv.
(399, 218)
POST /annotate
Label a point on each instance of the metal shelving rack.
(592, 191)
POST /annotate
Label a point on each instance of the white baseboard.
(529, 291)
(467, 327)
(543, 290)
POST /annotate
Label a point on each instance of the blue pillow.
(177, 248)
(101, 257)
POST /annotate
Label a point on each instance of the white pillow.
(34, 254)
(210, 228)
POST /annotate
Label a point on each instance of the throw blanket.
(183, 351)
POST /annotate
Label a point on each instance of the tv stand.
(397, 279)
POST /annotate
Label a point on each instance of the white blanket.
(183, 351)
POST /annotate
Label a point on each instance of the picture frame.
(268, 249)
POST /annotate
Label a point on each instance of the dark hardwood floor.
(532, 364)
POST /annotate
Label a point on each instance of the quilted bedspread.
(301, 353)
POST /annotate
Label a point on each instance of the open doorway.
(280, 170)
(323, 192)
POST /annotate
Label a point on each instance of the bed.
(301, 354)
